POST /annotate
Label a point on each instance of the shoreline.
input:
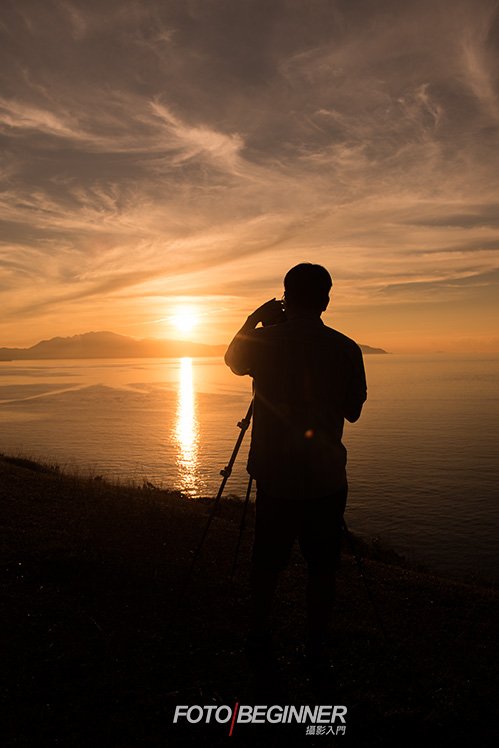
(372, 547)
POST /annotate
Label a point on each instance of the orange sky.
(168, 154)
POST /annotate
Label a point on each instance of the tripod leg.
(243, 425)
(241, 528)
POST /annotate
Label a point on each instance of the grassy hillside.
(99, 651)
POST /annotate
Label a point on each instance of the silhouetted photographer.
(307, 379)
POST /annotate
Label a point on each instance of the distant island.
(112, 345)
(368, 349)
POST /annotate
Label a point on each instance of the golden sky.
(170, 153)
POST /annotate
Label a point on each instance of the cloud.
(422, 289)
(210, 143)
(200, 141)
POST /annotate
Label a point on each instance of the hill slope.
(99, 650)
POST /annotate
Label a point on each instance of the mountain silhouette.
(112, 345)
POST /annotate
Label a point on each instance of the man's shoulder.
(289, 330)
(340, 340)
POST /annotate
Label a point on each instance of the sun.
(184, 319)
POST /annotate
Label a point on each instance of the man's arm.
(356, 394)
(239, 354)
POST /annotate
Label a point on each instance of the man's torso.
(303, 373)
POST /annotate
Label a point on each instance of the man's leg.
(263, 586)
(274, 535)
(320, 600)
(320, 538)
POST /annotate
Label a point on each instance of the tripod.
(226, 472)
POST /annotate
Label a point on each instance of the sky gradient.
(157, 154)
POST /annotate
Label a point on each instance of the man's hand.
(239, 353)
(270, 313)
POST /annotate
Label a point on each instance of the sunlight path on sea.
(186, 429)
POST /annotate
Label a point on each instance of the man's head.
(307, 287)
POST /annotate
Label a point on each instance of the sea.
(423, 461)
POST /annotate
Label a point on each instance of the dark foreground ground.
(99, 653)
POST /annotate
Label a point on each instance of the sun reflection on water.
(186, 434)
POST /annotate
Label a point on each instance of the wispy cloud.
(157, 146)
